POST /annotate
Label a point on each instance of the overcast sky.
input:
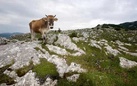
(15, 15)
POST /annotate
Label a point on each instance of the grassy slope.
(102, 69)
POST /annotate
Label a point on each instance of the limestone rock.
(75, 68)
(12, 74)
(27, 80)
(65, 41)
(119, 42)
(60, 63)
(62, 66)
(20, 53)
(50, 82)
(57, 49)
(112, 51)
(73, 78)
(78, 39)
(3, 41)
(123, 48)
(94, 44)
(125, 63)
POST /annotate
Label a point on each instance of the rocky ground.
(98, 57)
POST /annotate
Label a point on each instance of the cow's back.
(36, 25)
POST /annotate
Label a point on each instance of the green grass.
(84, 80)
(99, 65)
(22, 71)
(94, 78)
(5, 78)
(45, 68)
(102, 69)
(38, 35)
(131, 48)
(130, 57)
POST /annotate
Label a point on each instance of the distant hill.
(126, 26)
(8, 35)
(129, 25)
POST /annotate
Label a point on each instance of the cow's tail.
(30, 25)
(31, 31)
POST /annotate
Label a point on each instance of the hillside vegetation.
(125, 26)
(101, 56)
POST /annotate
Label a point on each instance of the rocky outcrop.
(21, 53)
(75, 68)
(125, 63)
(104, 43)
(73, 78)
(94, 43)
(57, 50)
(27, 80)
(65, 41)
(3, 41)
(112, 51)
(62, 66)
(124, 49)
(78, 39)
(21, 37)
(65, 53)
(60, 63)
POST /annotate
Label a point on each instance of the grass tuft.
(45, 68)
(22, 71)
(5, 78)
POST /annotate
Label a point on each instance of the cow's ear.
(55, 19)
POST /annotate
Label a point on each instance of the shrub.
(73, 34)
(59, 30)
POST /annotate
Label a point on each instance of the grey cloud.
(71, 13)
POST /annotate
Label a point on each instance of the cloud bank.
(15, 15)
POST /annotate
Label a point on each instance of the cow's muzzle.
(51, 27)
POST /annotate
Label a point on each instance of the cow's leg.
(32, 35)
(44, 37)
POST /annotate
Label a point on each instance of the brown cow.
(42, 26)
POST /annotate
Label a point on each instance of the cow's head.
(51, 19)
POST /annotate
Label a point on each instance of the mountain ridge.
(125, 25)
(8, 35)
